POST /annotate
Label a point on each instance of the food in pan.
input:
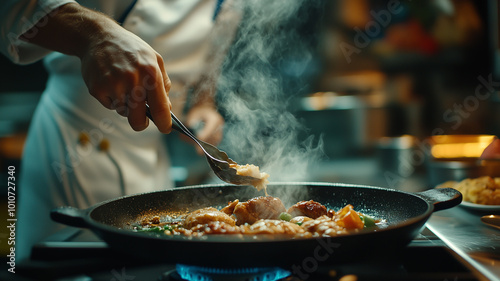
(253, 171)
(263, 215)
(482, 190)
(254, 209)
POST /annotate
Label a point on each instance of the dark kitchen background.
(381, 73)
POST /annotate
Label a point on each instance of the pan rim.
(182, 239)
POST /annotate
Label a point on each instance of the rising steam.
(259, 127)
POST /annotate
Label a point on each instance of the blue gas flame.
(200, 273)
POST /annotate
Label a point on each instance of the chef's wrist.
(90, 28)
(95, 30)
(70, 29)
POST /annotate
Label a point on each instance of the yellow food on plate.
(483, 190)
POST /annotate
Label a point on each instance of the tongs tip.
(224, 167)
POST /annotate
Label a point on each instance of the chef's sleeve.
(19, 16)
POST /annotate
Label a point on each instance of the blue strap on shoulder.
(217, 9)
(127, 11)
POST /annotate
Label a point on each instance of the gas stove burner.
(199, 273)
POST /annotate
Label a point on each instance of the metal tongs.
(217, 159)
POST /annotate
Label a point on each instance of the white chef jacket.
(79, 153)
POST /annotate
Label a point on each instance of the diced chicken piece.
(253, 171)
(258, 208)
(309, 208)
(229, 209)
(205, 216)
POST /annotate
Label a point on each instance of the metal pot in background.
(442, 171)
(396, 154)
(359, 108)
(348, 124)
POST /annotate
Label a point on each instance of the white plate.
(480, 207)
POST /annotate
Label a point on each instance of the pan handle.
(69, 216)
(441, 198)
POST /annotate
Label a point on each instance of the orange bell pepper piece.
(351, 219)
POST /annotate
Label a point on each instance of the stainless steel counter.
(476, 243)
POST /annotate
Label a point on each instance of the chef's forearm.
(70, 29)
(120, 70)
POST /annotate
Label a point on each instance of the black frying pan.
(406, 214)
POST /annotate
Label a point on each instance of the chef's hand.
(212, 121)
(121, 70)
(123, 73)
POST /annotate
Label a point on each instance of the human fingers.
(135, 102)
(124, 75)
(212, 130)
(119, 96)
(124, 94)
(109, 85)
(157, 89)
(111, 97)
(103, 99)
(137, 112)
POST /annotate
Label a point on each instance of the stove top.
(75, 254)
